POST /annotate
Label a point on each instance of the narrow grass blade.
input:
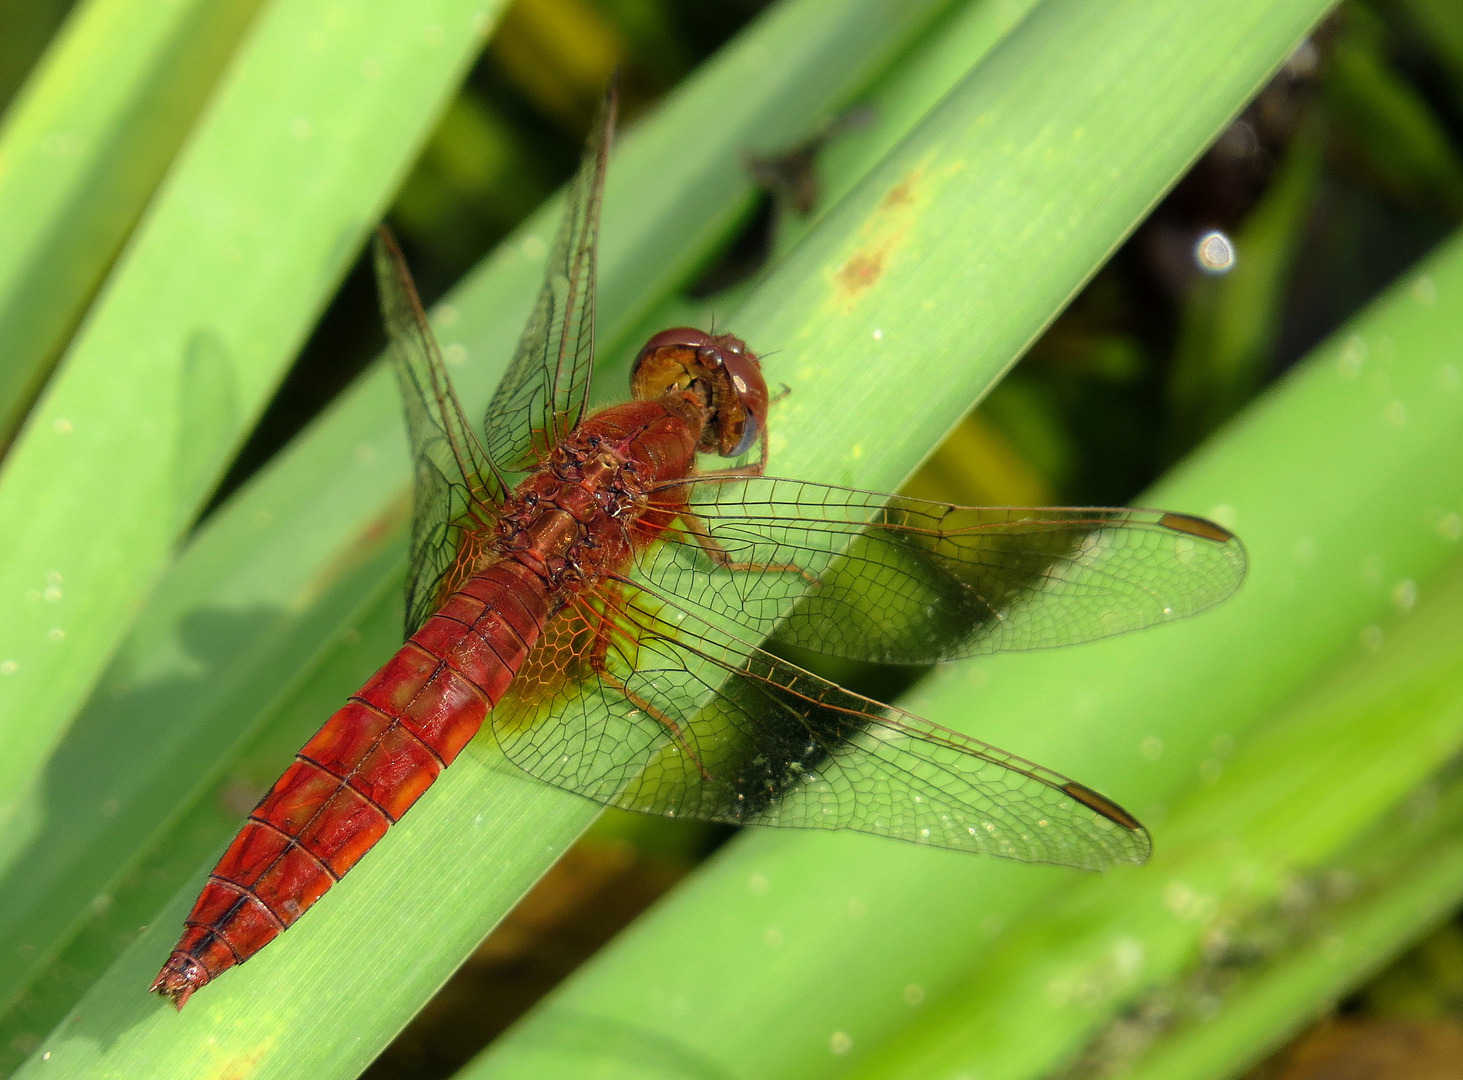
(82, 148)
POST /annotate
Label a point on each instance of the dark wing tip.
(1101, 804)
(1106, 808)
(1196, 526)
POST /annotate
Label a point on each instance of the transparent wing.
(543, 394)
(895, 580)
(634, 703)
(455, 489)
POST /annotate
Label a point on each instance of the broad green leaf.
(289, 167)
(1394, 880)
(1269, 844)
(290, 595)
(81, 151)
(994, 171)
(1399, 880)
(1345, 485)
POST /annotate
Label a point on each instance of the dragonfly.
(613, 614)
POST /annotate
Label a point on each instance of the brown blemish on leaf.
(881, 235)
(860, 273)
(901, 194)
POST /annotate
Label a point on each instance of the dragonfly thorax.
(568, 519)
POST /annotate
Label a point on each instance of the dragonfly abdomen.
(361, 772)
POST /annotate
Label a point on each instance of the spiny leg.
(722, 558)
(604, 629)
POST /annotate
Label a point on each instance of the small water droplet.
(1215, 253)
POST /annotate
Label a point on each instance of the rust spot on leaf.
(885, 231)
(901, 194)
(862, 271)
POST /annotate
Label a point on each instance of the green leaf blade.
(218, 289)
(280, 561)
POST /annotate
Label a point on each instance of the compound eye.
(745, 377)
(662, 360)
(684, 336)
(749, 437)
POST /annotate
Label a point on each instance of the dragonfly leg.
(741, 472)
(599, 650)
(722, 558)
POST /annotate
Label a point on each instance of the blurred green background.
(1332, 184)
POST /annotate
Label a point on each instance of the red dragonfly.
(581, 583)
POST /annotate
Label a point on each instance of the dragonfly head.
(719, 371)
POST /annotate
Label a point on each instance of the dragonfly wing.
(544, 392)
(454, 484)
(638, 704)
(896, 580)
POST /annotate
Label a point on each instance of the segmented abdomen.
(365, 768)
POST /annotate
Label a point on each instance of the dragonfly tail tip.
(179, 978)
